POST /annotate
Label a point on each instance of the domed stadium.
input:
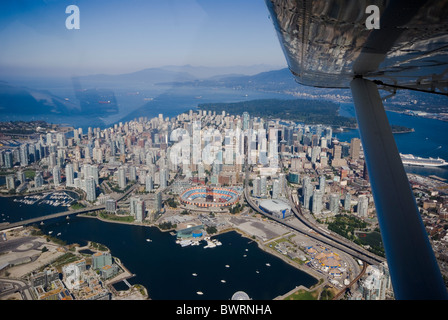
(205, 197)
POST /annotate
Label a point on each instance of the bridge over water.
(50, 216)
(61, 214)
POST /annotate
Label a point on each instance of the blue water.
(166, 269)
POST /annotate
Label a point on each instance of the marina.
(54, 199)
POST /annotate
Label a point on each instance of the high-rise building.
(246, 119)
(10, 182)
(56, 176)
(317, 202)
(93, 172)
(24, 160)
(8, 159)
(90, 189)
(69, 175)
(363, 205)
(163, 178)
(334, 203)
(149, 183)
(307, 192)
(158, 202)
(275, 189)
(365, 173)
(38, 180)
(140, 213)
(322, 183)
(122, 178)
(347, 202)
(355, 148)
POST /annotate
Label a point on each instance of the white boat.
(59, 234)
(200, 293)
(185, 243)
(223, 281)
(148, 240)
(210, 244)
(268, 264)
(227, 266)
(50, 232)
(411, 160)
(194, 274)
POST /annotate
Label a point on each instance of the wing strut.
(412, 264)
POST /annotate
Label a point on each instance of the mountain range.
(96, 94)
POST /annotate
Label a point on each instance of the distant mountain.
(201, 72)
(151, 75)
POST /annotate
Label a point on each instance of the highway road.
(314, 231)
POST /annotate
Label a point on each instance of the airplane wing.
(343, 44)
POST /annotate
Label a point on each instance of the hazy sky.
(118, 36)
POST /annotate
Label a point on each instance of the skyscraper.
(69, 175)
(38, 180)
(140, 214)
(363, 205)
(149, 183)
(56, 176)
(322, 183)
(90, 189)
(334, 203)
(158, 202)
(317, 202)
(246, 120)
(24, 155)
(355, 148)
(122, 178)
(307, 192)
(347, 202)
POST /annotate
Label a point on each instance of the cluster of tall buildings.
(202, 146)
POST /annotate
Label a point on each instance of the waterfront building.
(111, 206)
(90, 189)
(101, 259)
(38, 180)
(10, 182)
(21, 176)
(140, 211)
